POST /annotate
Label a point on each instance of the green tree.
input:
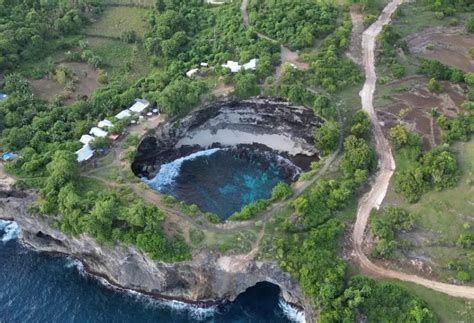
(246, 85)
(434, 86)
(469, 24)
(281, 191)
(327, 137)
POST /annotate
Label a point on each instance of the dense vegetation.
(31, 30)
(294, 23)
(385, 225)
(309, 249)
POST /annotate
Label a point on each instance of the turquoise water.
(221, 181)
(36, 287)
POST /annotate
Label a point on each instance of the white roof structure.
(252, 65)
(204, 64)
(192, 72)
(105, 124)
(86, 139)
(139, 106)
(97, 132)
(123, 114)
(85, 153)
(233, 66)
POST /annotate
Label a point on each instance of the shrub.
(281, 191)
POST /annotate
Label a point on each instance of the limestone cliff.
(210, 277)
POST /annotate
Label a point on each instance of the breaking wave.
(9, 230)
(168, 172)
(195, 312)
(291, 312)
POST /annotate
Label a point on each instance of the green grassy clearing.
(116, 20)
(116, 54)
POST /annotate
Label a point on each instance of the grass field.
(116, 54)
(116, 20)
(442, 217)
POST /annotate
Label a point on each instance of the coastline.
(38, 235)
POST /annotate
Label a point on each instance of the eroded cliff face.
(210, 277)
(266, 124)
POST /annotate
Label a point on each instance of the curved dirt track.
(374, 198)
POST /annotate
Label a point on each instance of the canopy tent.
(97, 132)
(123, 114)
(105, 124)
(139, 106)
(84, 154)
(86, 139)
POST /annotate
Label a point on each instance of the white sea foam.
(168, 172)
(291, 312)
(75, 263)
(196, 312)
(10, 230)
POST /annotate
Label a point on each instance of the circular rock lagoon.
(229, 154)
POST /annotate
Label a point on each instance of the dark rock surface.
(255, 117)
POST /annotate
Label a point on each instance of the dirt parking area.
(85, 83)
(412, 105)
(447, 45)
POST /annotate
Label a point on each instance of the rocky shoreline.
(210, 278)
(260, 123)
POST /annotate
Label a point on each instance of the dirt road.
(374, 198)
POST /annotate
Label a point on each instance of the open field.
(450, 46)
(85, 83)
(116, 20)
(116, 54)
(441, 218)
(408, 102)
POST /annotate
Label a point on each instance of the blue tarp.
(7, 156)
(3, 96)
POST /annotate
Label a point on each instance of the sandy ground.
(374, 198)
(449, 45)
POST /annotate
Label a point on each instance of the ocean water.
(36, 287)
(221, 181)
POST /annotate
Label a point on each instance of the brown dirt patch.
(446, 45)
(85, 77)
(412, 108)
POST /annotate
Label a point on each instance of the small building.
(123, 114)
(84, 154)
(192, 73)
(86, 139)
(233, 66)
(204, 64)
(252, 65)
(97, 132)
(104, 124)
(140, 106)
(3, 96)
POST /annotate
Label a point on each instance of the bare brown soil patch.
(447, 45)
(85, 83)
(413, 108)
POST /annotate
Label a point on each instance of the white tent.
(123, 114)
(139, 106)
(85, 153)
(233, 66)
(252, 65)
(105, 124)
(192, 72)
(97, 132)
(86, 139)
